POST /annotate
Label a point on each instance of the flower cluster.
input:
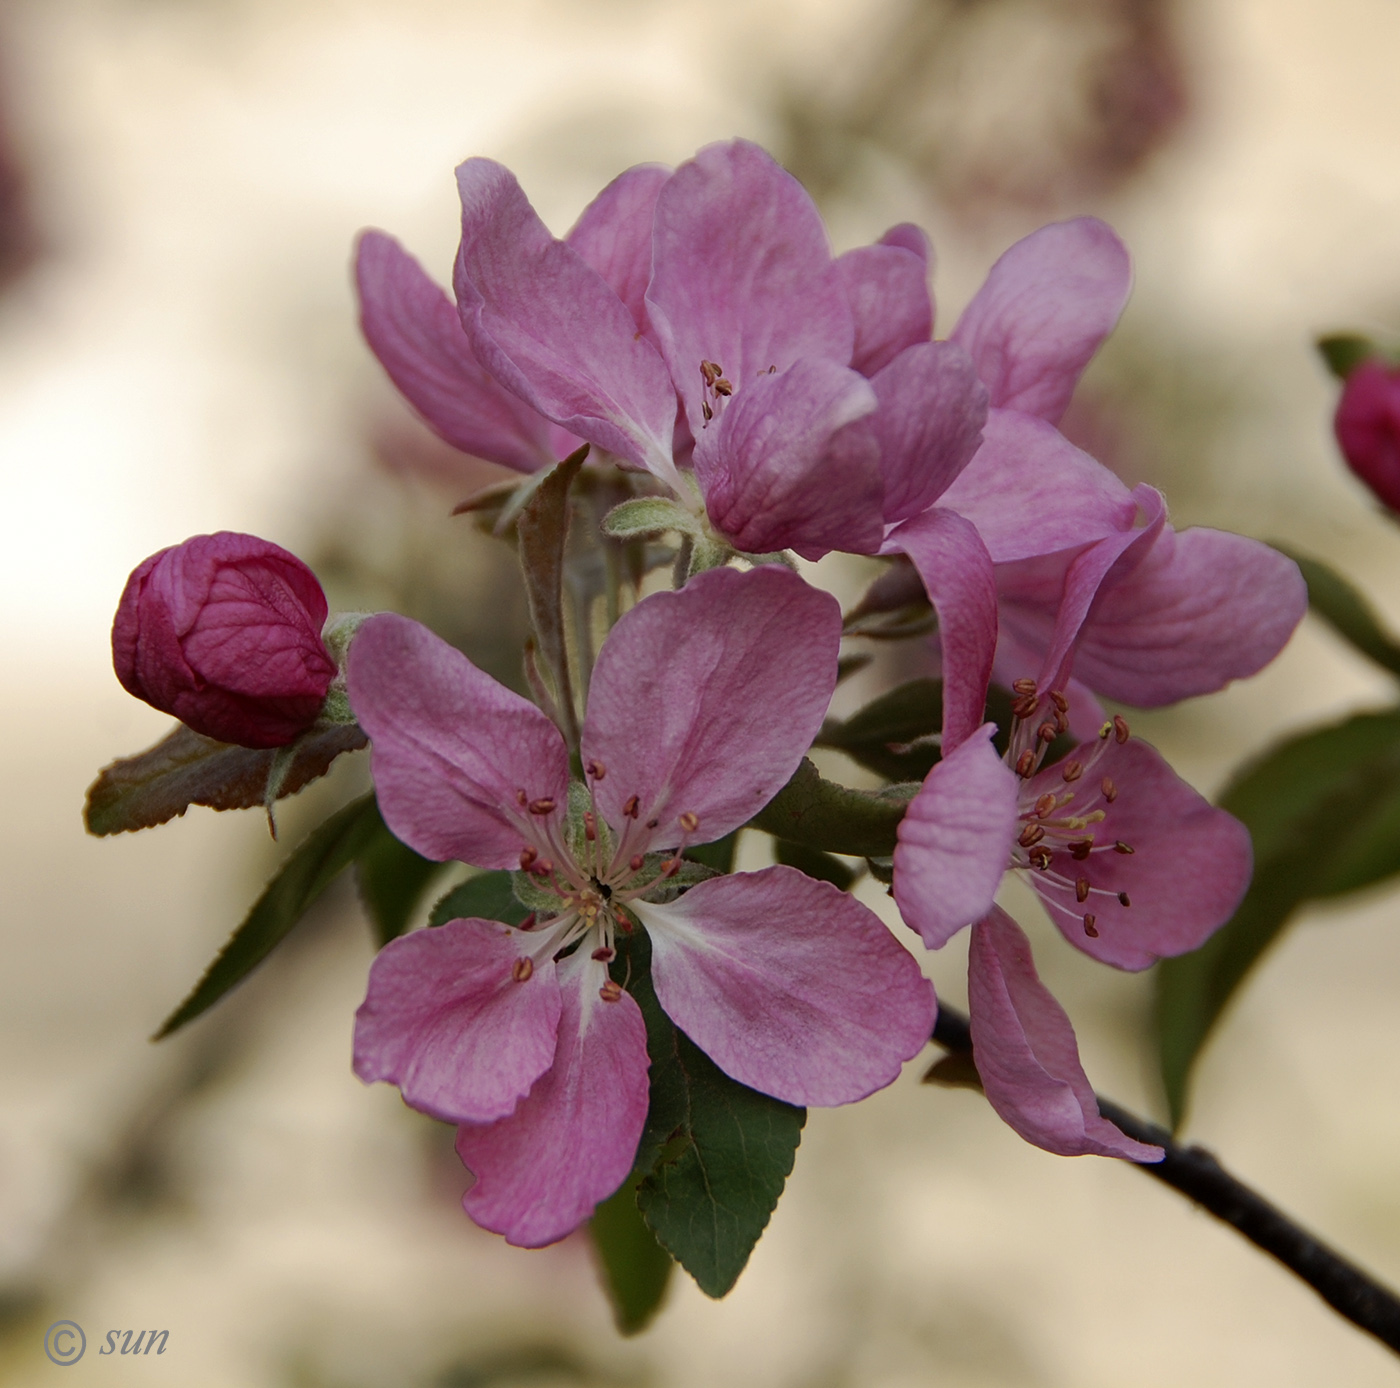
(750, 392)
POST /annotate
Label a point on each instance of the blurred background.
(180, 182)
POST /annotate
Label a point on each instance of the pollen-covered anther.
(1031, 835)
(1023, 686)
(1024, 705)
(1110, 791)
(1073, 771)
(1045, 806)
(522, 969)
(690, 821)
(1080, 849)
(1047, 732)
(596, 769)
(543, 806)
(1081, 889)
(590, 825)
(1059, 700)
(604, 954)
(635, 862)
(633, 807)
(1090, 927)
(1025, 764)
(610, 991)
(1121, 847)
(1124, 899)
(1120, 729)
(1105, 732)
(527, 858)
(1041, 858)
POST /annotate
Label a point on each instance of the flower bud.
(224, 631)
(1368, 428)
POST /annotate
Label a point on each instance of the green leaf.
(485, 896)
(392, 879)
(893, 736)
(650, 515)
(1323, 810)
(718, 855)
(1346, 611)
(822, 814)
(1344, 352)
(542, 528)
(185, 768)
(635, 1270)
(312, 867)
(815, 863)
(714, 1155)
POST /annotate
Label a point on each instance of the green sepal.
(650, 515)
(834, 818)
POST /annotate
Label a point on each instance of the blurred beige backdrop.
(180, 355)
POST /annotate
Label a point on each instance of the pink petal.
(570, 1142)
(958, 578)
(613, 235)
(955, 841)
(789, 985)
(453, 751)
(1029, 491)
(1189, 867)
(742, 273)
(1203, 608)
(1045, 308)
(414, 330)
(705, 700)
(929, 424)
(548, 327)
(447, 1021)
(779, 470)
(1026, 1053)
(887, 287)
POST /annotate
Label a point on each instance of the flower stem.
(1193, 1171)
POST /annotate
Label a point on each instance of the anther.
(527, 856)
(1025, 705)
(1041, 858)
(723, 387)
(1123, 899)
(1047, 732)
(1121, 847)
(1110, 791)
(542, 868)
(652, 823)
(706, 411)
(632, 808)
(610, 991)
(596, 769)
(544, 805)
(1046, 804)
(690, 821)
(1105, 731)
(635, 862)
(604, 954)
(1061, 722)
(1059, 700)
(522, 969)
(1025, 764)
(1120, 729)
(1080, 849)
(590, 825)
(521, 798)
(1031, 835)
(1090, 929)
(1073, 771)
(670, 867)
(1081, 889)
(1023, 686)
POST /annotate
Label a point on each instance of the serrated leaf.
(895, 736)
(634, 1269)
(392, 879)
(714, 1155)
(185, 768)
(718, 855)
(1346, 611)
(1344, 352)
(485, 896)
(311, 868)
(650, 515)
(834, 818)
(815, 863)
(1323, 810)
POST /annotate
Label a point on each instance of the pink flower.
(700, 707)
(815, 411)
(1368, 428)
(224, 632)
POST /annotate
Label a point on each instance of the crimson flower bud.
(224, 631)
(1368, 428)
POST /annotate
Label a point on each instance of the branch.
(1195, 1172)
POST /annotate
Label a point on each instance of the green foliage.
(718, 855)
(1347, 612)
(893, 735)
(714, 1155)
(392, 879)
(311, 868)
(1344, 352)
(821, 814)
(650, 515)
(1323, 810)
(485, 896)
(634, 1268)
(815, 863)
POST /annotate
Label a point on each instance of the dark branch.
(1195, 1172)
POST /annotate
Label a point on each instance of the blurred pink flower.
(700, 707)
(1368, 428)
(224, 632)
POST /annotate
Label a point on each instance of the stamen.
(690, 821)
(1081, 889)
(542, 868)
(590, 825)
(670, 867)
(543, 806)
(596, 769)
(1123, 899)
(1110, 791)
(522, 969)
(528, 923)
(610, 991)
(632, 808)
(1046, 804)
(604, 954)
(1105, 731)
(652, 823)
(1059, 700)
(1031, 835)
(1121, 847)
(1023, 686)
(1080, 849)
(1024, 706)
(522, 798)
(1025, 764)
(1047, 732)
(1090, 928)
(527, 856)
(1120, 729)
(1073, 771)
(635, 862)
(1041, 859)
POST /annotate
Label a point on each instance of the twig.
(1195, 1172)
